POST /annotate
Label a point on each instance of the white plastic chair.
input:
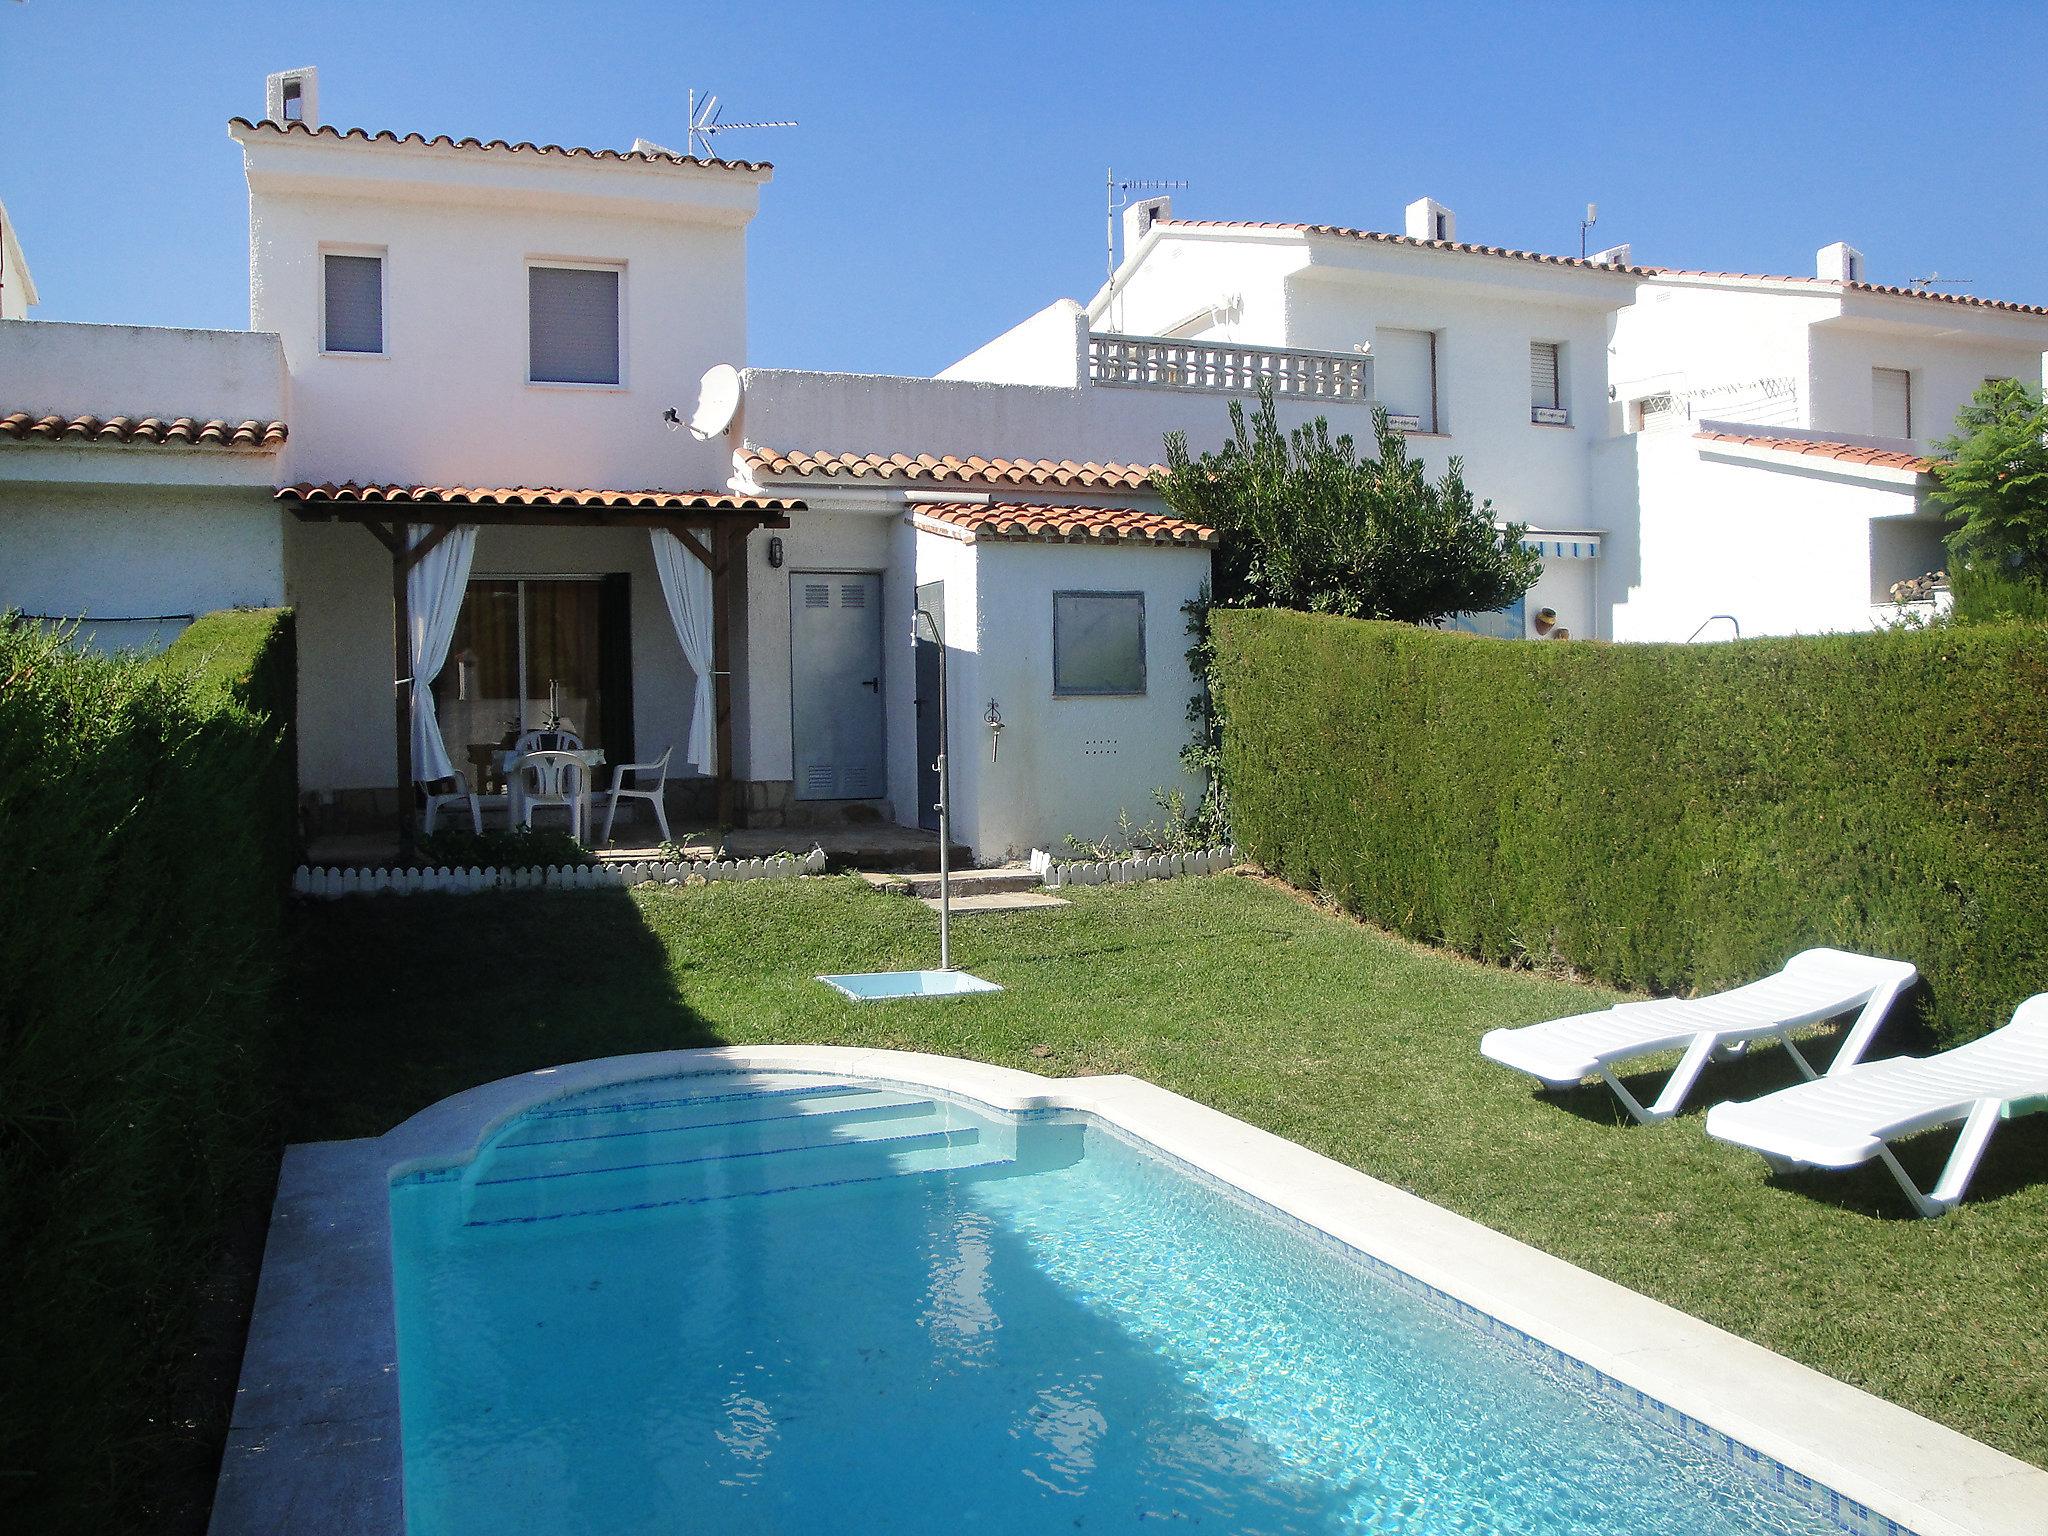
(548, 779)
(460, 793)
(622, 775)
(1815, 984)
(1847, 1117)
(561, 739)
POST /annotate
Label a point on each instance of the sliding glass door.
(533, 653)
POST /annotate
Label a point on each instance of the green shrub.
(500, 848)
(1664, 817)
(146, 813)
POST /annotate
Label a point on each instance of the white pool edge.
(314, 1442)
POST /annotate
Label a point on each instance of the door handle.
(872, 682)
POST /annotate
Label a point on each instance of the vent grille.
(817, 594)
(820, 780)
(853, 594)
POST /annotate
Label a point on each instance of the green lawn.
(1359, 1045)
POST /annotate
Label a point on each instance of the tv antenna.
(1933, 279)
(704, 127)
(1116, 196)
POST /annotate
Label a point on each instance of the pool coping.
(314, 1445)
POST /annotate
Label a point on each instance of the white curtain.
(433, 591)
(686, 583)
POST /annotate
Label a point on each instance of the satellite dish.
(718, 401)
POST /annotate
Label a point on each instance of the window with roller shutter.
(1404, 376)
(573, 325)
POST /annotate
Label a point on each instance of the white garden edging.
(325, 883)
(1055, 873)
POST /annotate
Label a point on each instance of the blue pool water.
(781, 1304)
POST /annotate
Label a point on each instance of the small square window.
(1098, 642)
(353, 310)
(573, 325)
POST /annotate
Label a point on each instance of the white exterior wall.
(1946, 369)
(448, 401)
(1735, 354)
(130, 560)
(1533, 474)
(1205, 285)
(1785, 548)
(1048, 348)
(1063, 765)
(116, 532)
(65, 369)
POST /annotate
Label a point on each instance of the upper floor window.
(352, 302)
(1404, 377)
(1546, 397)
(1891, 400)
(573, 325)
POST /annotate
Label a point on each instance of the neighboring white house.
(17, 287)
(1687, 449)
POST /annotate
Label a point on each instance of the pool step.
(835, 1138)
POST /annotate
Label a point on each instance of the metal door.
(835, 622)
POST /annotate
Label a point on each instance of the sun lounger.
(1848, 1117)
(1814, 985)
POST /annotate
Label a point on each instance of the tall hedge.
(145, 845)
(1665, 817)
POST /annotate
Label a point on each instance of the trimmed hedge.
(1662, 817)
(146, 818)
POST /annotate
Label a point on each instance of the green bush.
(1663, 817)
(146, 813)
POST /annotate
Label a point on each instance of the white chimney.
(1613, 256)
(1139, 219)
(1429, 219)
(293, 96)
(1839, 263)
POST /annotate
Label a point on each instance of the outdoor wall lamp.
(775, 553)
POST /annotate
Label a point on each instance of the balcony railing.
(1159, 362)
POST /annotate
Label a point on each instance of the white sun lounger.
(1847, 1117)
(1816, 984)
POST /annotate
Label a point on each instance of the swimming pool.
(904, 1292)
(760, 1303)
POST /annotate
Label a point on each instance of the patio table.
(506, 761)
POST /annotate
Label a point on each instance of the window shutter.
(355, 303)
(1543, 375)
(1404, 375)
(1891, 395)
(573, 323)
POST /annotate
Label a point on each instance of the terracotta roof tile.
(535, 496)
(1848, 453)
(177, 431)
(1063, 473)
(1381, 237)
(1830, 285)
(443, 141)
(1028, 522)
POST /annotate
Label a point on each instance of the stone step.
(1000, 901)
(1004, 879)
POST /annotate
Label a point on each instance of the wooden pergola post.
(722, 543)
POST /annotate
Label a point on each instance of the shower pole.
(945, 804)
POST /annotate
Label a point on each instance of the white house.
(454, 442)
(1692, 452)
(492, 435)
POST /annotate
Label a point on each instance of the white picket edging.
(1054, 873)
(324, 883)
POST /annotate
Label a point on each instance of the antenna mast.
(1116, 196)
(705, 126)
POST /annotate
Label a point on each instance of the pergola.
(712, 526)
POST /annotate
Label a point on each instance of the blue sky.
(947, 177)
